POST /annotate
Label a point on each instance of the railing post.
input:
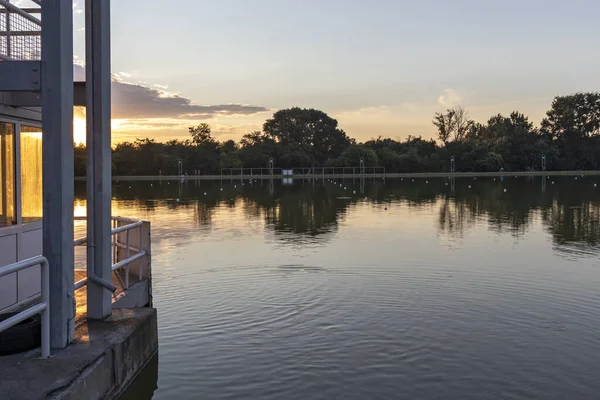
(126, 257)
(45, 268)
(140, 249)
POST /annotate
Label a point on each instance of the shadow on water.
(145, 384)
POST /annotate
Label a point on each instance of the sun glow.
(79, 131)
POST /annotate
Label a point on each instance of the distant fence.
(302, 171)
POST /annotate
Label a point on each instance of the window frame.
(17, 122)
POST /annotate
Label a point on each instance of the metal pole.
(8, 40)
(127, 236)
(140, 249)
(58, 165)
(98, 116)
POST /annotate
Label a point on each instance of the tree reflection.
(567, 208)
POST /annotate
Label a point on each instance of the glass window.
(7, 174)
(31, 173)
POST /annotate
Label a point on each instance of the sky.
(380, 67)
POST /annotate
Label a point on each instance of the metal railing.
(129, 259)
(42, 308)
(20, 32)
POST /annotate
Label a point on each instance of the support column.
(58, 174)
(98, 116)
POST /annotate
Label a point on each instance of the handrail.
(140, 253)
(42, 308)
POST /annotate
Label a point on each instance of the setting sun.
(79, 134)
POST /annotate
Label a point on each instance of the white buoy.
(469, 186)
(553, 182)
(177, 200)
(446, 183)
(354, 192)
(366, 198)
(221, 189)
(575, 178)
(595, 184)
(504, 190)
(344, 187)
(129, 187)
(413, 180)
(426, 181)
(150, 184)
(234, 186)
(205, 193)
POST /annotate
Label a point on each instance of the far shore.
(346, 176)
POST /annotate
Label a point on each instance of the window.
(31, 173)
(7, 174)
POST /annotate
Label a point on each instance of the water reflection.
(313, 209)
(368, 288)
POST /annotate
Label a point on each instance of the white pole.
(98, 88)
(57, 154)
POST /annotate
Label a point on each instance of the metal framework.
(36, 69)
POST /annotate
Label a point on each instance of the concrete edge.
(118, 391)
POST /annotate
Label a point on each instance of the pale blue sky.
(379, 66)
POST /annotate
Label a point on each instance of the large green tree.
(573, 121)
(307, 135)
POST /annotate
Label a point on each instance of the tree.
(228, 146)
(573, 124)
(352, 155)
(454, 123)
(575, 116)
(307, 130)
(201, 135)
(445, 125)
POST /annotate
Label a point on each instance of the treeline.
(568, 137)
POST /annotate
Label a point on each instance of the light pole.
(543, 162)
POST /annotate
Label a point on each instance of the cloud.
(141, 101)
(449, 98)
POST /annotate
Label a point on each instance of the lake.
(466, 288)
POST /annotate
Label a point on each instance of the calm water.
(398, 289)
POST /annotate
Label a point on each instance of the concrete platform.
(104, 359)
